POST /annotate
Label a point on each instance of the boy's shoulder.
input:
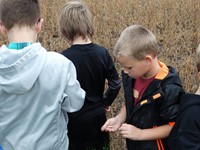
(91, 48)
(172, 77)
(55, 55)
(56, 58)
(188, 99)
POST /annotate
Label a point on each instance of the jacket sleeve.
(170, 107)
(114, 83)
(74, 95)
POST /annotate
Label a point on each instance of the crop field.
(176, 24)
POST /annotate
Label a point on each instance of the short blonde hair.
(198, 58)
(136, 41)
(76, 20)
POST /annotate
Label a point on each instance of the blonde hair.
(76, 20)
(198, 58)
(136, 41)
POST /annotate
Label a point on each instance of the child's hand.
(111, 125)
(131, 132)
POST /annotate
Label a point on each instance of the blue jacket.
(37, 89)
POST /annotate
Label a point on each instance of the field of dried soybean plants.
(176, 24)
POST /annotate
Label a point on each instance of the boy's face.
(133, 67)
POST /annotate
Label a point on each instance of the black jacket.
(157, 106)
(94, 66)
(185, 134)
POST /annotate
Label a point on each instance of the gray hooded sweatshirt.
(37, 89)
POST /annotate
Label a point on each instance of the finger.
(106, 126)
(123, 134)
(109, 128)
(123, 126)
(103, 128)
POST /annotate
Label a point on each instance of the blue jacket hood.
(18, 68)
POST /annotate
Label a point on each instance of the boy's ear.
(3, 30)
(148, 59)
(38, 25)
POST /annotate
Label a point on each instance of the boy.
(151, 91)
(37, 87)
(185, 134)
(93, 65)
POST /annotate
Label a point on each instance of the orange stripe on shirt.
(171, 123)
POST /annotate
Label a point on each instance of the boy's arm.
(121, 117)
(114, 83)
(156, 133)
(134, 133)
(170, 107)
(74, 95)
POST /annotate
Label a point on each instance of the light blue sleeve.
(74, 95)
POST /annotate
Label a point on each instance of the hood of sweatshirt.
(19, 69)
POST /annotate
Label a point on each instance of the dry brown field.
(176, 24)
